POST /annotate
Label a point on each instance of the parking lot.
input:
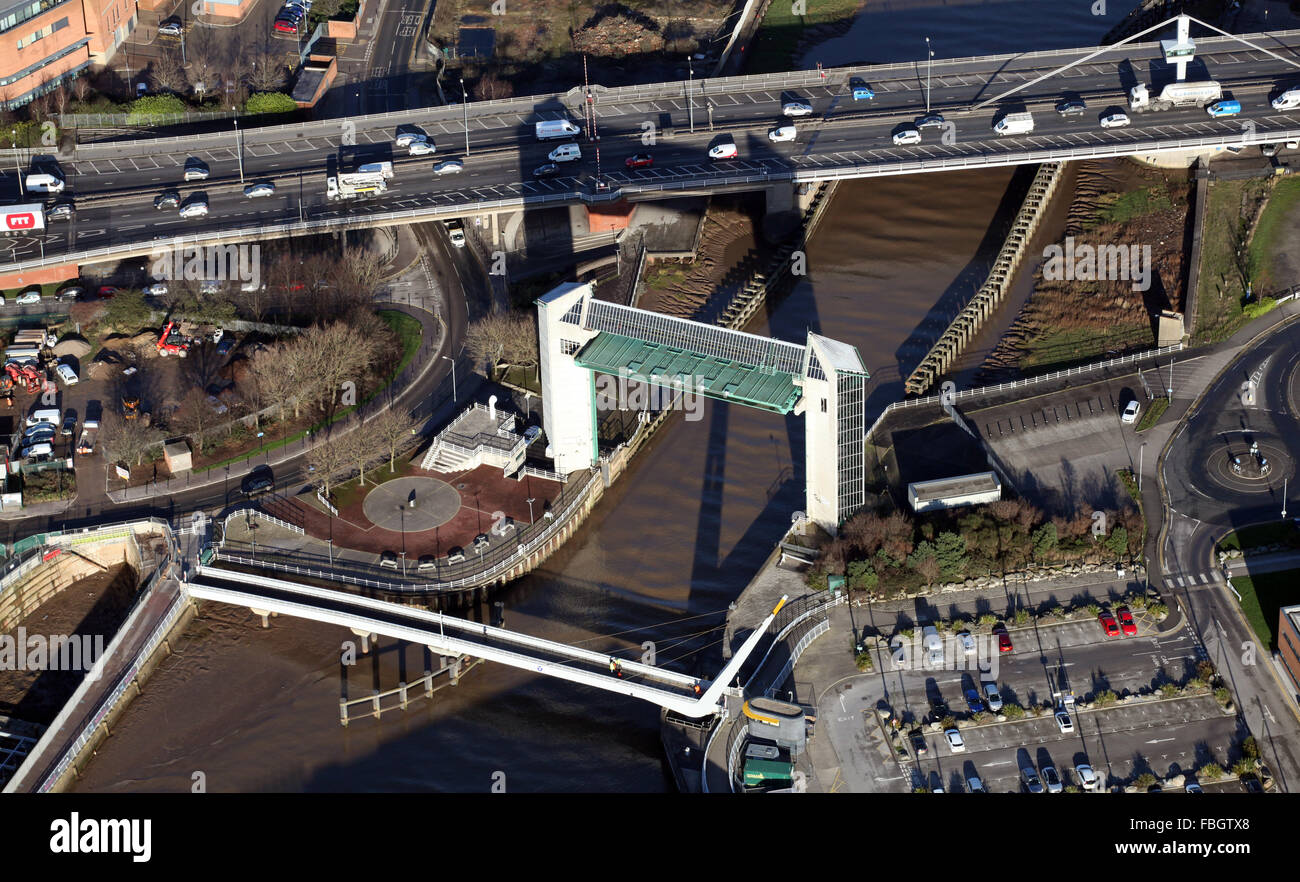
(1049, 662)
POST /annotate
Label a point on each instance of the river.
(665, 552)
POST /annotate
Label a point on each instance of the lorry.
(89, 430)
(551, 129)
(1015, 124)
(18, 219)
(368, 180)
(1185, 94)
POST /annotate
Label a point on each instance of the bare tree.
(507, 338)
(81, 88)
(167, 73)
(195, 417)
(359, 448)
(266, 72)
(206, 63)
(275, 372)
(128, 440)
(327, 459)
(490, 87)
(392, 429)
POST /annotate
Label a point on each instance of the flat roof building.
(1288, 644)
(976, 489)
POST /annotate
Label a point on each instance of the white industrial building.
(976, 489)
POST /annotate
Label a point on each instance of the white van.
(38, 450)
(555, 128)
(1015, 124)
(565, 153)
(782, 133)
(43, 183)
(933, 646)
(47, 415)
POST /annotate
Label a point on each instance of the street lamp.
(690, 102)
(1141, 453)
(929, 62)
(532, 499)
(453, 376)
(464, 100)
(239, 152)
(13, 139)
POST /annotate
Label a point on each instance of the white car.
(157, 289)
(170, 29)
(992, 697)
(532, 433)
(967, 642)
(724, 151)
(253, 191)
(28, 297)
(67, 374)
(907, 136)
(421, 148)
(1130, 414)
(450, 167)
(782, 133)
(195, 209)
(1087, 777)
(797, 108)
(195, 170)
(1114, 120)
(1064, 723)
(406, 139)
(954, 741)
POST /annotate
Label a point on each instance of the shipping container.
(761, 771)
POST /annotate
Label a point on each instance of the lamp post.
(464, 100)
(1141, 453)
(690, 102)
(532, 499)
(18, 169)
(453, 377)
(239, 152)
(929, 62)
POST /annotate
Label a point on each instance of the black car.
(168, 199)
(61, 211)
(918, 743)
(546, 171)
(1071, 107)
(68, 295)
(930, 121)
(258, 481)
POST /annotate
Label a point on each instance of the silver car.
(1052, 780)
(253, 191)
(1030, 778)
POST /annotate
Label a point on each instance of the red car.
(1108, 624)
(1004, 639)
(107, 292)
(640, 160)
(286, 26)
(1126, 623)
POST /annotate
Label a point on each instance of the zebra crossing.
(1192, 581)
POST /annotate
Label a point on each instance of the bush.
(269, 102)
(1105, 698)
(1222, 696)
(1159, 610)
(141, 109)
(863, 660)
(1250, 748)
(1137, 601)
(949, 722)
(1259, 307)
(1205, 670)
(1094, 610)
(1243, 767)
(1169, 690)
(1145, 780)
(1012, 711)
(1021, 617)
(988, 620)
(1196, 683)
(1210, 772)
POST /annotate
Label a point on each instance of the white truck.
(1015, 124)
(1288, 100)
(19, 219)
(1184, 94)
(551, 129)
(455, 232)
(367, 180)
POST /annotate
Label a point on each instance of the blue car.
(973, 701)
(862, 93)
(1224, 108)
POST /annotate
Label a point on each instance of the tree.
(327, 459)
(167, 73)
(503, 338)
(275, 373)
(128, 440)
(143, 109)
(950, 552)
(127, 311)
(81, 88)
(195, 417)
(392, 428)
(1117, 541)
(925, 563)
(490, 87)
(1045, 540)
(270, 102)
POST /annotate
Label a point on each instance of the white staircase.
(445, 459)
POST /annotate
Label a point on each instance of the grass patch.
(49, 486)
(665, 275)
(1221, 290)
(778, 36)
(1155, 410)
(1261, 598)
(1116, 208)
(524, 378)
(1275, 533)
(408, 330)
(1071, 346)
(1266, 243)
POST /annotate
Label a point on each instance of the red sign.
(20, 220)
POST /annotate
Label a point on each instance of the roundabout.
(412, 504)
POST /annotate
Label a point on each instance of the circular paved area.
(389, 504)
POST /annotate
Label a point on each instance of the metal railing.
(143, 120)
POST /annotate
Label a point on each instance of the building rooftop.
(962, 485)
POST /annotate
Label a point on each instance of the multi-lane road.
(114, 184)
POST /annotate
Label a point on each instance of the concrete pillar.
(454, 674)
(266, 617)
(365, 639)
(343, 711)
(374, 703)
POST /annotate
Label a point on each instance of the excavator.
(24, 375)
(130, 408)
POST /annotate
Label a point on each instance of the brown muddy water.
(674, 542)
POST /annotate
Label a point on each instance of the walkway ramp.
(453, 636)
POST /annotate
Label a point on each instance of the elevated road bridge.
(114, 183)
